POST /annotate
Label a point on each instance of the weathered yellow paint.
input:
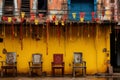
(91, 46)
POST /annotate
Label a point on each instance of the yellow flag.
(56, 22)
(9, 19)
(74, 15)
(36, 21)
(62, 23)
(82, 19)
(22, 14)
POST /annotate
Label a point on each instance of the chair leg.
(62, 71)
(41, 71)
(73, 72)
(84, 71)
(30, 72)
(1, 72)
(53, 72)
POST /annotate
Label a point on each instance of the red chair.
(57, 63)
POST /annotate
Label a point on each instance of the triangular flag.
(74, 15)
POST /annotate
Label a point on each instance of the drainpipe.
(16, 11)
(35, 5)
(1, 7)
(107, 10)
(115, 10)
(99, 2)
(118, 5)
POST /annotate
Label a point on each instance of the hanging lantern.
(62, 23)
(74, 15)
(14, 19)
(4, 18)
(40, 15)
(47, 20)
(22, 14)
(64, 17)
(9, 19)
(93, 14)
(32, 18)
(103, 13)
(82, 15)
(56, 22)
(53, 17)
(36, 22)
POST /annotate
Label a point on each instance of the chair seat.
(79, 66)
(35, 67)
(8, 67)
(56, 66)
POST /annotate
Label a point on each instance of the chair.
(36, 63)
(78, 63)
(10, 63)
(57, 63)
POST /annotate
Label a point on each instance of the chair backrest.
(10, 57)
(58, 58)
(77, 57)
(37, 58)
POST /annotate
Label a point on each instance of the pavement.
(63, 78)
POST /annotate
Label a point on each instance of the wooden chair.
(36, 63)
(78, 63)
(57, 63)
(10, 63)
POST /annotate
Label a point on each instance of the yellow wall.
(89, 40)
